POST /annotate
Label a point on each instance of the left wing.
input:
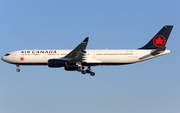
(78, 54)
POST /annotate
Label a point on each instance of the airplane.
(80, 58)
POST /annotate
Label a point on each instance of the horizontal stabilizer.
(158, 50)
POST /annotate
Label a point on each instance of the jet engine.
(56, 63)
(70, 68)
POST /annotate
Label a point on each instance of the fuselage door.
(45, 55)
(13, 55)
(94, 55)
(135, 53)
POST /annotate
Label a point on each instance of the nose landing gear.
(18, 70)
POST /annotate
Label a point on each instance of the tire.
(92, 73)
(83, 72)
(18, 70)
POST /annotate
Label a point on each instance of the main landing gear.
(88, 70)
(18, 70)
(80, 69)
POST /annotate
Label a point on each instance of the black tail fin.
(160, 39)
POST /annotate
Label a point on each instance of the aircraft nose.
(2, 58)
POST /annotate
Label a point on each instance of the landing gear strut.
(88, 70)
(80, 68)
(18, 70)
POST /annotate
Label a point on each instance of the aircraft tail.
(160, 39)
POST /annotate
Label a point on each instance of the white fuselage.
(92, 57)
(79, 57)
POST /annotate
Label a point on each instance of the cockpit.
(6, 57)
(7, 54)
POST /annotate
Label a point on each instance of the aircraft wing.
(78, 54)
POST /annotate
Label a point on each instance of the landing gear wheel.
(88, 71)
(83, 72)
(92, 73)
(18, 70)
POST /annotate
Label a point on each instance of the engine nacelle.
(70, 68)
(56, 63)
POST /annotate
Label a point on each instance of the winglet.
(86, 39)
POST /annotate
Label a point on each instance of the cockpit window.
(7, 54)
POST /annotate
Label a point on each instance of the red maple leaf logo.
(159, 41)
(22, 58)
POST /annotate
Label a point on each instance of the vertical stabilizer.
(160, 39)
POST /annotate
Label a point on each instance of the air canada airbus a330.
(80, 59)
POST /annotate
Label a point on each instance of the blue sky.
(147, 87)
